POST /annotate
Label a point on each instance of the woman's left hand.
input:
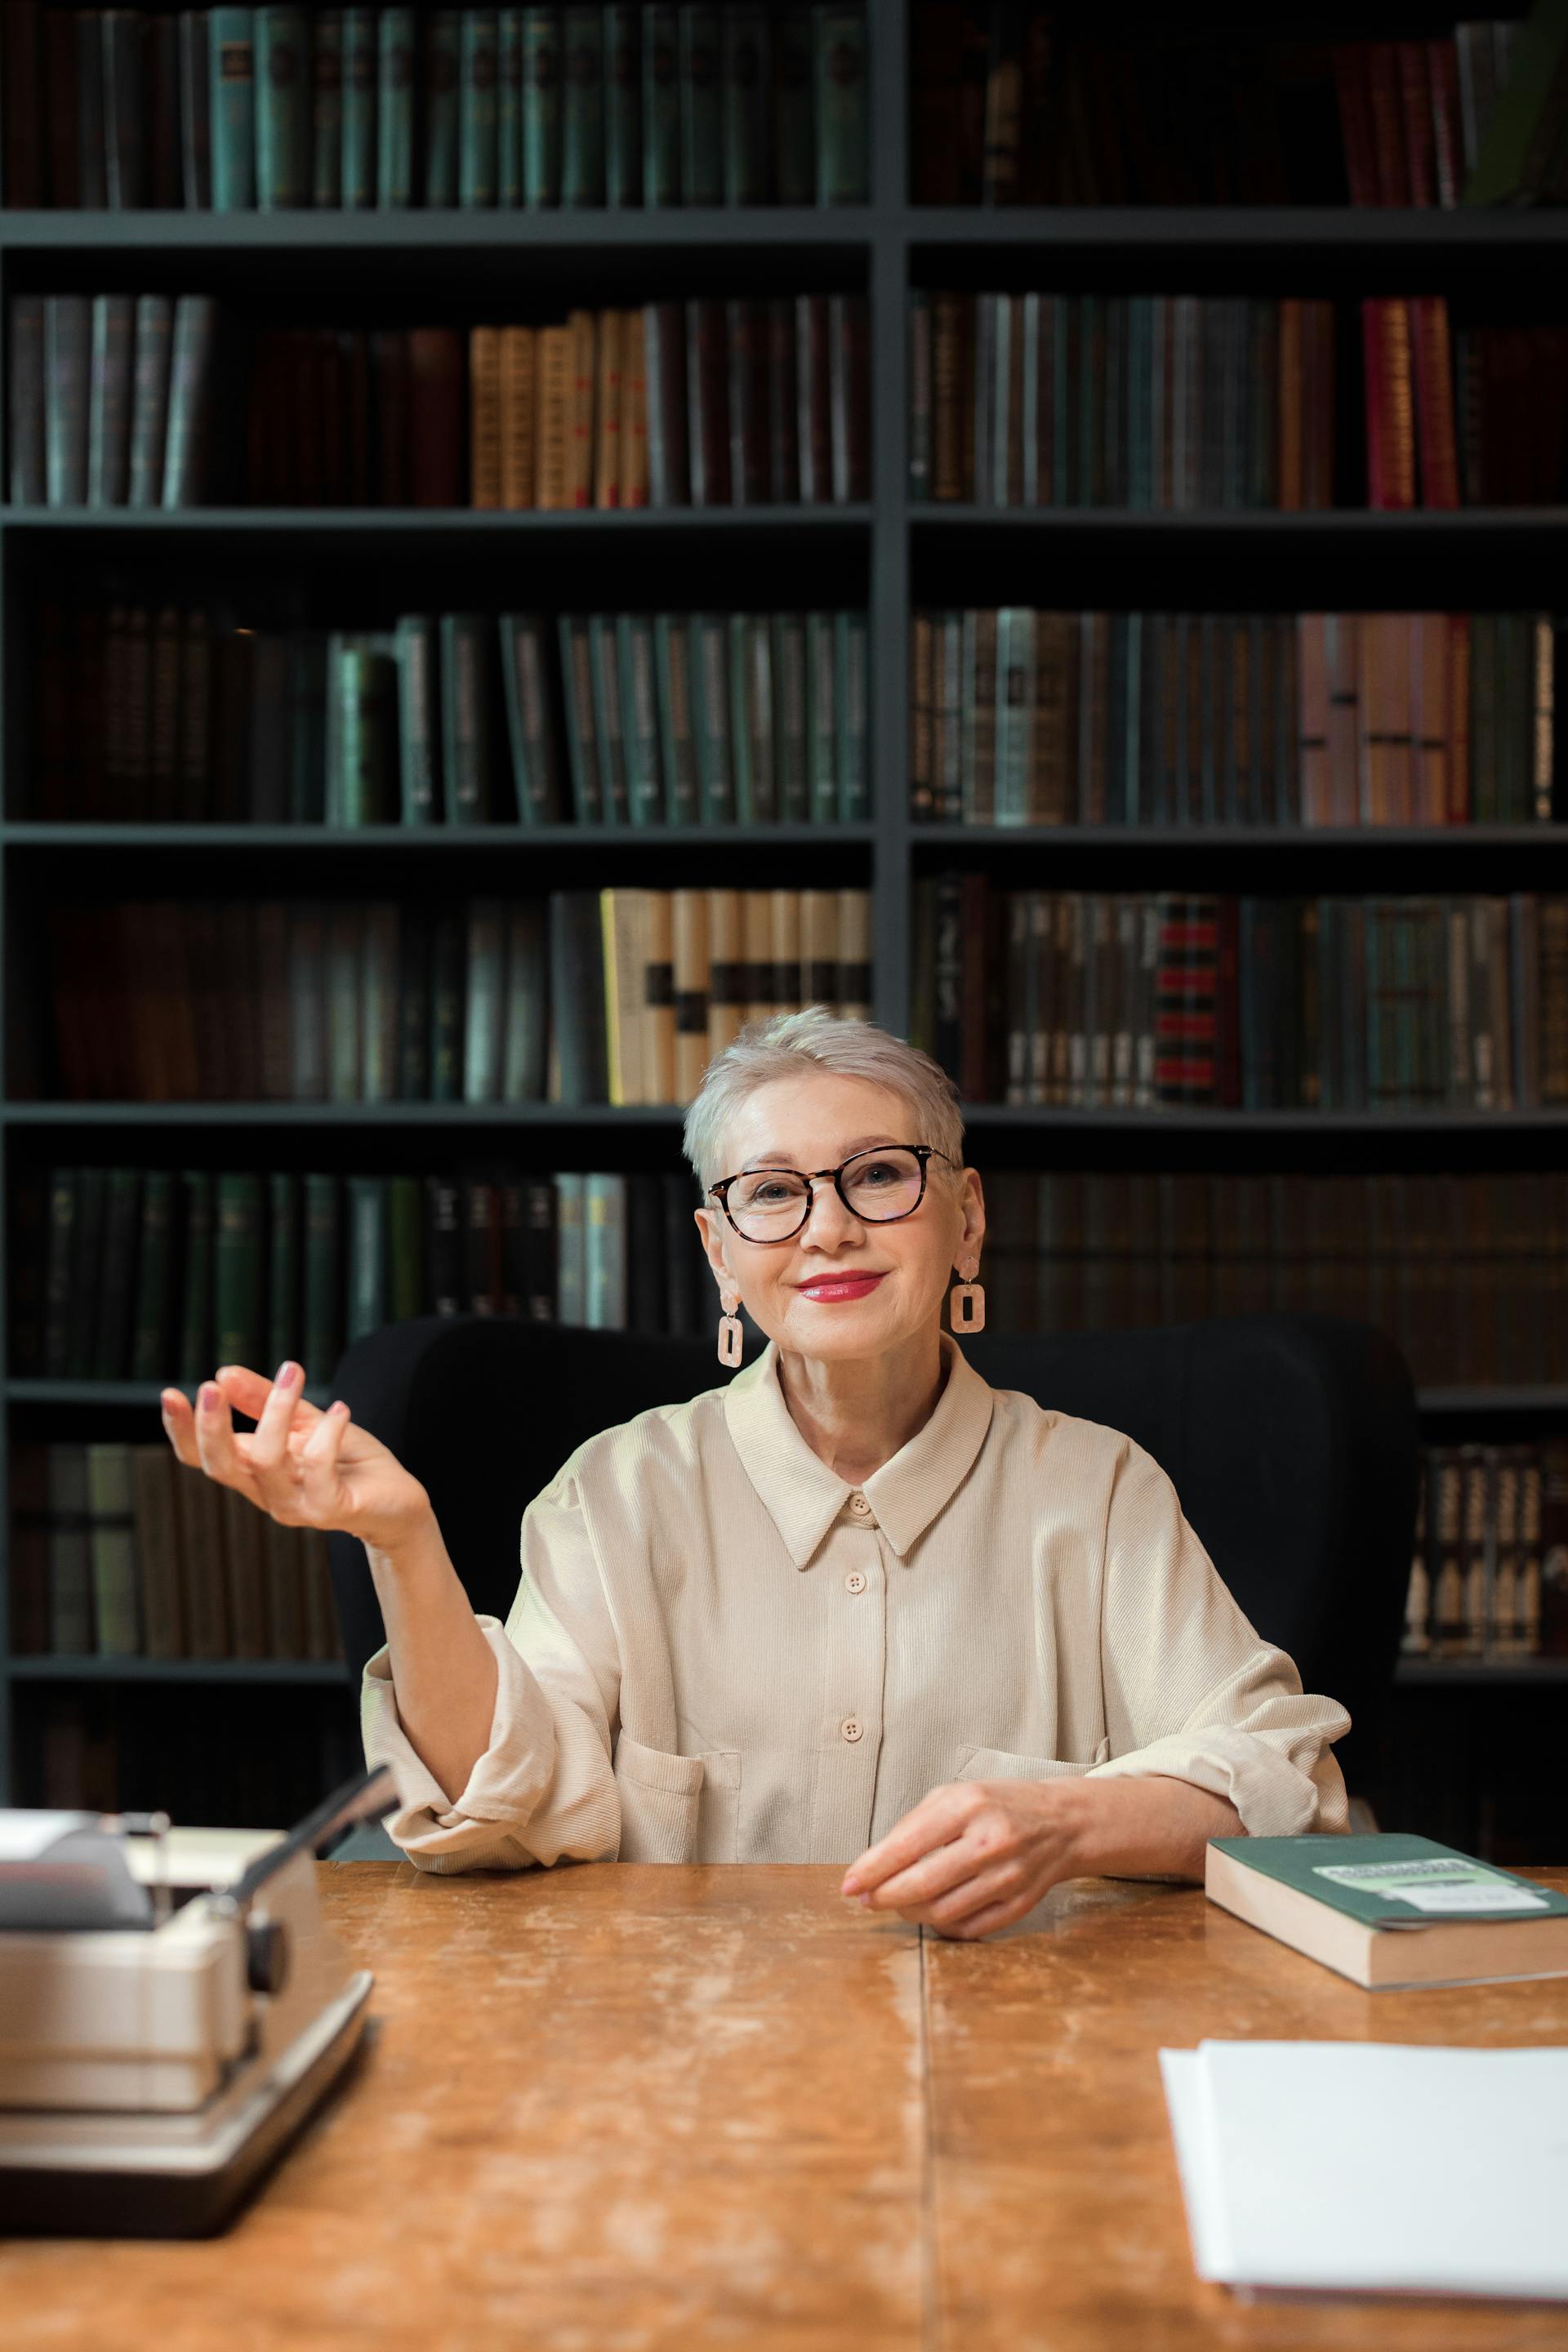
(974, 1855)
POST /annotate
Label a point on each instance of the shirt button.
(852, 1728)
(855, 1581)
(860, 1506)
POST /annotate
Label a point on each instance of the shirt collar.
(803, 1496)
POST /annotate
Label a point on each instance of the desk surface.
(616, 2107)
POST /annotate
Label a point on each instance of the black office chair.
(1292, 1440)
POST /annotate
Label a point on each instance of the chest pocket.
(678, 1807)
(1003, 1764)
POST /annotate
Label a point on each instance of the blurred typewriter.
(171, 2009)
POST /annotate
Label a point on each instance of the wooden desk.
(619, 2107)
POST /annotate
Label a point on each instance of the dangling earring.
(966, 1301)
(729, 1329)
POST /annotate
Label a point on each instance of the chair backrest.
(1292, 1440)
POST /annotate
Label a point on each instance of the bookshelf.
(897, 552)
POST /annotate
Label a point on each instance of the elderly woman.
(853, 1606)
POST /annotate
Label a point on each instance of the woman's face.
(842, 1287)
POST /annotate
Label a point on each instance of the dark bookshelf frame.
(897, 243)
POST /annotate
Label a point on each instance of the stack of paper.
(1373, 2166)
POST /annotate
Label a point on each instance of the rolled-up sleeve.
(1191, 1690)
(544, 1791)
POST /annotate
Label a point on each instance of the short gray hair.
(791, 1044)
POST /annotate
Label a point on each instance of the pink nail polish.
(286, 1374)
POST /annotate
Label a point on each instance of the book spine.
(582, 106)
(662, 105)
(478, 152)
(396, 34)
(362, 77)
(701, 113)
(232, 109)
(623, 104)
(282, 108)
(747, 102)
(327, 109)
(509, 107)
(841, 55)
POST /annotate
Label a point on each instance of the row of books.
(215, 1759)
(575, 997)
(155, 1273)
(160, 714)
(1019, 717)
(1022, 105)
(274, 107)
(120, 1551)
(1463, 415)
(1488, 1576)
(1166, 999)
(160, 400)
(1467, 1273)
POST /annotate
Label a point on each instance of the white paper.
(1374, 2165)
(25, 1833)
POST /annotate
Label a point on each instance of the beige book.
(484, 417)
(658, 997)
(582, 326)
(726, 969)
(819, 947)
(245, 1565)
(607, 451)
(553, 474)
(634, 411)
(623, 929)
(757, 954)
(519, 415)
(689, 930)
(785, 914)
(854, 955)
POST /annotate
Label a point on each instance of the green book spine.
(822, 726)
(603, 673)
(678, 746)
(285, 1337)
(477, 160)
(795, 126)
(485, 1005)
(111, 1341)
(701, 111)
(282, 108)
(404, 1249)
(577, 697)
(345, 930)
(524, 1066)
(367, 1257)
(67, 369)
(605, 1253)
(447, 952)
(441, 109)
(582, 106)
(747, 104)
(571, 1244)
(231, 50)
(112, 1545)
(378, 1010)
(840, 44)
(760, 691)
(395, 110)
(740, 720)
(195, 1302)
(361, 68)
(150, 1331)
(190, 399)
(111, 356)
(509, 107)
(851, 653)
(639, 718)
(464, 718)
(661, 106)
(236, 1269)
(791, 753)
(363, 678)
(710, 708)
(542, 107)
(623, 105)
(323, 1278)
(417, 761)
(327, 109)
(535, 765)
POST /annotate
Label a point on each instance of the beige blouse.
(719, 1652)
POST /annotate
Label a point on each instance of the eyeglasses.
(879, 1186)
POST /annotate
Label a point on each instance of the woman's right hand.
(304, 1468)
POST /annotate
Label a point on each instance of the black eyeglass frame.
(923, 1152)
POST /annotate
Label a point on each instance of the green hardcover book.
(366, 1256)
(525, 1061)
(605, 680)
(821, 718)
(484, 1012)
(123, 107)
(395, 110)
(542, 107)
(109, 365)
(623, 104)
(237, 1317)
(1015, 713)
(282, 108)
(362, 72)
(791, 751)
(447, 942)
(323, 1276)
(361, 684)
(416, 752)
(701, 107)
(535, 768)
(747, 104)
(851, 654)
(570, 1248)
(327, 109)
(191, 363)
(378, 1007)
(839, 40)
(635, 661)
(344, 952)
(196, 1355)
(112, 1551)
(480, 111)
(150, 1337)
(577, 697)
(67, 372)
(582, 106)
(711, 711)
(231, 51)
(605, 1251)
(677, 737)
(285, 1335)
(581, 1039)
(414, 951)
(442, 31)
(115, 1298)
(662, 105)
(509, 107)
(464, 718)
(795, 111)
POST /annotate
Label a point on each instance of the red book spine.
(1371, 368)
(1387, 127)
(1435, 401)
(1415, 106)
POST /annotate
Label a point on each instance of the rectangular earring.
(729, 1340)
(966, 1306)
